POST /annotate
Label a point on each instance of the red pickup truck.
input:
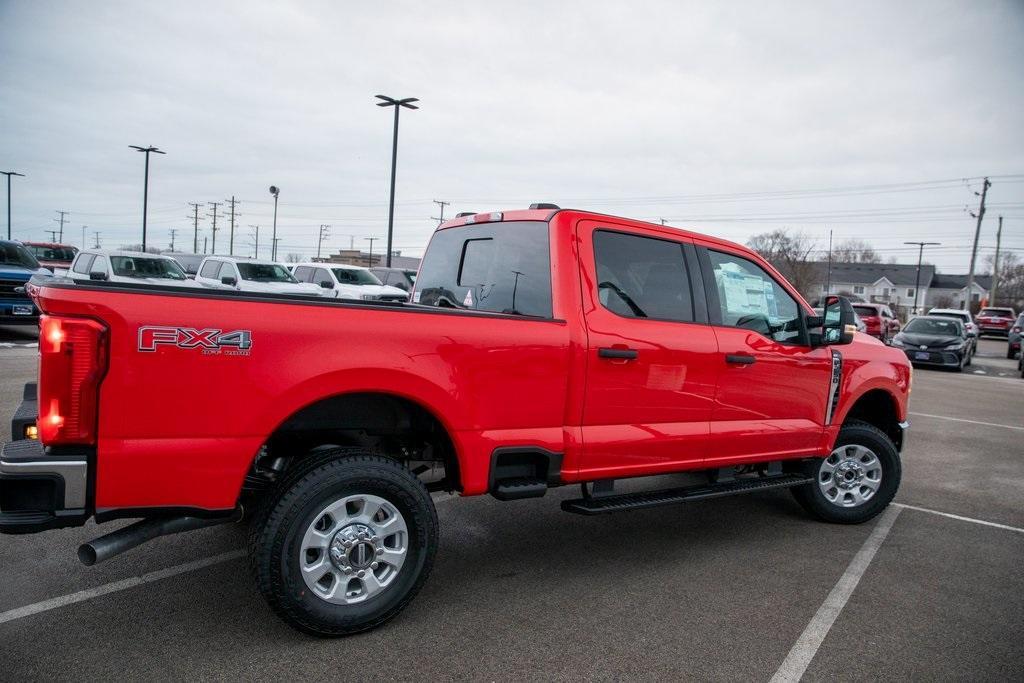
(540, 348)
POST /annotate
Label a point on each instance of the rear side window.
(642, 277)
(83, 263)
(210, 269)
(498, 267)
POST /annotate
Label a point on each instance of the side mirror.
(97, 275)
(229, 281)
(327, 284)
(839, 324)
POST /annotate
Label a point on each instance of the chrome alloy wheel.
(850, 476)
(353, 549)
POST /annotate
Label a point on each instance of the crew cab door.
(651, 356)
(772, 387)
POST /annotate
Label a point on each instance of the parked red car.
(879, 320)
(52, 255)
(540, 348)
(995, 320)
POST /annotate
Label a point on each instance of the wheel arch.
(878, 407)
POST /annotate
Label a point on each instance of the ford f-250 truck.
(540, 348)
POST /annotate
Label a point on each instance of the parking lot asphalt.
(719, 590)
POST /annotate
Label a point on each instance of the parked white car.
(128, 266)
(251, 275)
(347, 282)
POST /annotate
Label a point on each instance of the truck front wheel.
(856, 481)
(344, 543)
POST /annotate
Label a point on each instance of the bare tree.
(1010, 288)
(293, 258)
(855, 251)
(789, 252)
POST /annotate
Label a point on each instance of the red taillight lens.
(72, 361)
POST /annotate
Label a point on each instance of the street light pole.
(145, 188)
(274, 190)
(9, 174)
(917, 280)
(397, 104)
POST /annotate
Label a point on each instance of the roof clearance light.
(496, 216)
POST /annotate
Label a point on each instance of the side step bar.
(596, 505)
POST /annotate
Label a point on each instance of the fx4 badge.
(209, 341)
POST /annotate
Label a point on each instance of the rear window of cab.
(495, 267)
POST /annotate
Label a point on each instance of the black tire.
(1010, 353)
(813, 499)
(970, 358)
(309, 486)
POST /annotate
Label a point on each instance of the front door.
(651, 355)
(773, 388)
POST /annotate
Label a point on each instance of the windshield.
(53, 253)
(136, 266)
(950, 314)
(412, 275)
(996, 313)
(12, 254)
(265, 272)
(942, 328)
(353, 276)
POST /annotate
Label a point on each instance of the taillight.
(72, 361)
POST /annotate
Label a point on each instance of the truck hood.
(12, 272)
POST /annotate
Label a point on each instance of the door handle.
(739, 359)
(620, 354)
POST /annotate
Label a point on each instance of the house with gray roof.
(950, 291)
(893, 284)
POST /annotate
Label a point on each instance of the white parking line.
(806, 646)
(973, 422)
(123, 584)
(972, 520)
(133, 581)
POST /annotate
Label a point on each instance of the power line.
(231, 234)
(63, 214)
(439, 219)
(325, 231)
(195, 226)
(173, 233)
(213, 230)
(256, 247)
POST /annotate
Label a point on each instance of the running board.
(596, 505)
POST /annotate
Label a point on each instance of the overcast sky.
(642, 109)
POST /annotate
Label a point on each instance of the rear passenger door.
(651, 355)
(773, 387)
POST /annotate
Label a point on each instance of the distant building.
(950, 291)
(881, 283)
(355, 257)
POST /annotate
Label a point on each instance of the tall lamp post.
(9, 174)
(917, 280)
(274, 190)
(145, 187)
(397, 104)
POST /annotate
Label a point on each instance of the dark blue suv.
(17, 265)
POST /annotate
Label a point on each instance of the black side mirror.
(97, 275)
(228, 280)
(327, 284)
(839, 324)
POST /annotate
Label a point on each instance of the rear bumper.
(41, 488)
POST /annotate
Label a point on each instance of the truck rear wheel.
(856, 481)
(344, 543)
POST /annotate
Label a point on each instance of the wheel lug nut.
(374, 565)
(380, 551)
(361, 573)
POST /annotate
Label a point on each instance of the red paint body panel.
(180, 427)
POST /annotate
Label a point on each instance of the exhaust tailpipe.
(116, 542)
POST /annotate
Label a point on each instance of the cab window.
(301, 273)
(748, 297)
(642, 277)
(99, 265)
(209, 269)
(321, 275)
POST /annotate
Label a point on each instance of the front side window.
(301, 273)
(83, 263)
(99, 265)
(749, 298)
(497, 267)
(264, 272)
(320, 276)
(226, 270)
(209, 269)
(642, 277)
(134, 266)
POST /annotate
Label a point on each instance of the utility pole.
(195, 226)
(977, 233)
(274, 190)
(256, 248)
(61, 221)
(205, 238)
(173, 232)
(96, 235)
(213, 230)
(9, 174)
(397, 104)
(371, 240)
(663, 221)
(828, 278)
(325, 231)
(84, 245)
(995, 265)
(231, 235)
(440, 219)
(917, 280)
(273, 247)
(53, 235)
(145, 187)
